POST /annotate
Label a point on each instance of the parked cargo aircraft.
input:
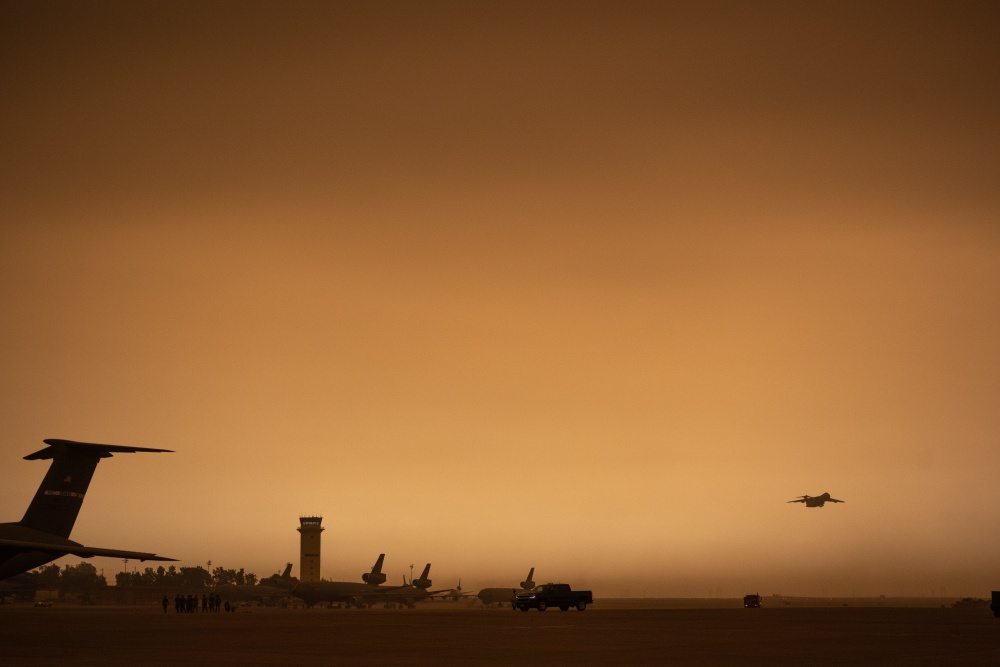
(369, 593)
(268, 592)
(42, 535)
(501, 596)
(816, 501)
(457, 594)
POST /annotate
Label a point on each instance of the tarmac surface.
(455, 635)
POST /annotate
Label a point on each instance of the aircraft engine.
(421, 583)
(373, 578)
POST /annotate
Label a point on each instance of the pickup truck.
(553, 595)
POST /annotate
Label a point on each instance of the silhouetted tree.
(48, 577)
(223, 577)
(194, 577)
(82, 578)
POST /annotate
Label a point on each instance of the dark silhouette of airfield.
(269, 591)
(505, 596)
(42, 535)
(371, 591)
(450, 633)
(816, 501)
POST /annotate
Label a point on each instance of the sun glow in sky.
(589, 287)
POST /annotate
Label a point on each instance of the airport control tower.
(310, 527)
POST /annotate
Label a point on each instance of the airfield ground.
(453, 634)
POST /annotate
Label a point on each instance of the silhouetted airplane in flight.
(816, 501)
(42, 535)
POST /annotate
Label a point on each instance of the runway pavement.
(456, 635)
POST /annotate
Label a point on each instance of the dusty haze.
(588, 287)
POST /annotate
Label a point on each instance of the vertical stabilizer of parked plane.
(375, 577)
(58, 500)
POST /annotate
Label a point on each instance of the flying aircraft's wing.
(800, 500)
(79, 550)
(834, 500)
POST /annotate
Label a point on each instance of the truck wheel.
(564, 607)
(542, 606)
(581, 606)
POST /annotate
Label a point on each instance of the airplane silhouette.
(370, 592)
(501, 596)
(816, 501)
(42, 535)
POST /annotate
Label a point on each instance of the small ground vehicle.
(553, 595)
(751, 601)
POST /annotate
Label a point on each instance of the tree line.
(85, 579)
(185, 577)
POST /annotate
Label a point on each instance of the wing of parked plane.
(80, 550)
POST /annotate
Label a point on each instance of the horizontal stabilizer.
(78, 550)
(57, 447)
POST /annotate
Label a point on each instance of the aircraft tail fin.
(287, 574)
(59, 497)
(423, 582)
(375, 577)
(528, 584)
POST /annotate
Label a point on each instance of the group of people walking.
(188, 604)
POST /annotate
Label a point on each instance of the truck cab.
(553, 595)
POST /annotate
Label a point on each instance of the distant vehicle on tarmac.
(816, 501)
(553, 595)
(751, 601)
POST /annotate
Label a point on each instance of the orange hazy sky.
(590, 287)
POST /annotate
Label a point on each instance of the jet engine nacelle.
(373, 578)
